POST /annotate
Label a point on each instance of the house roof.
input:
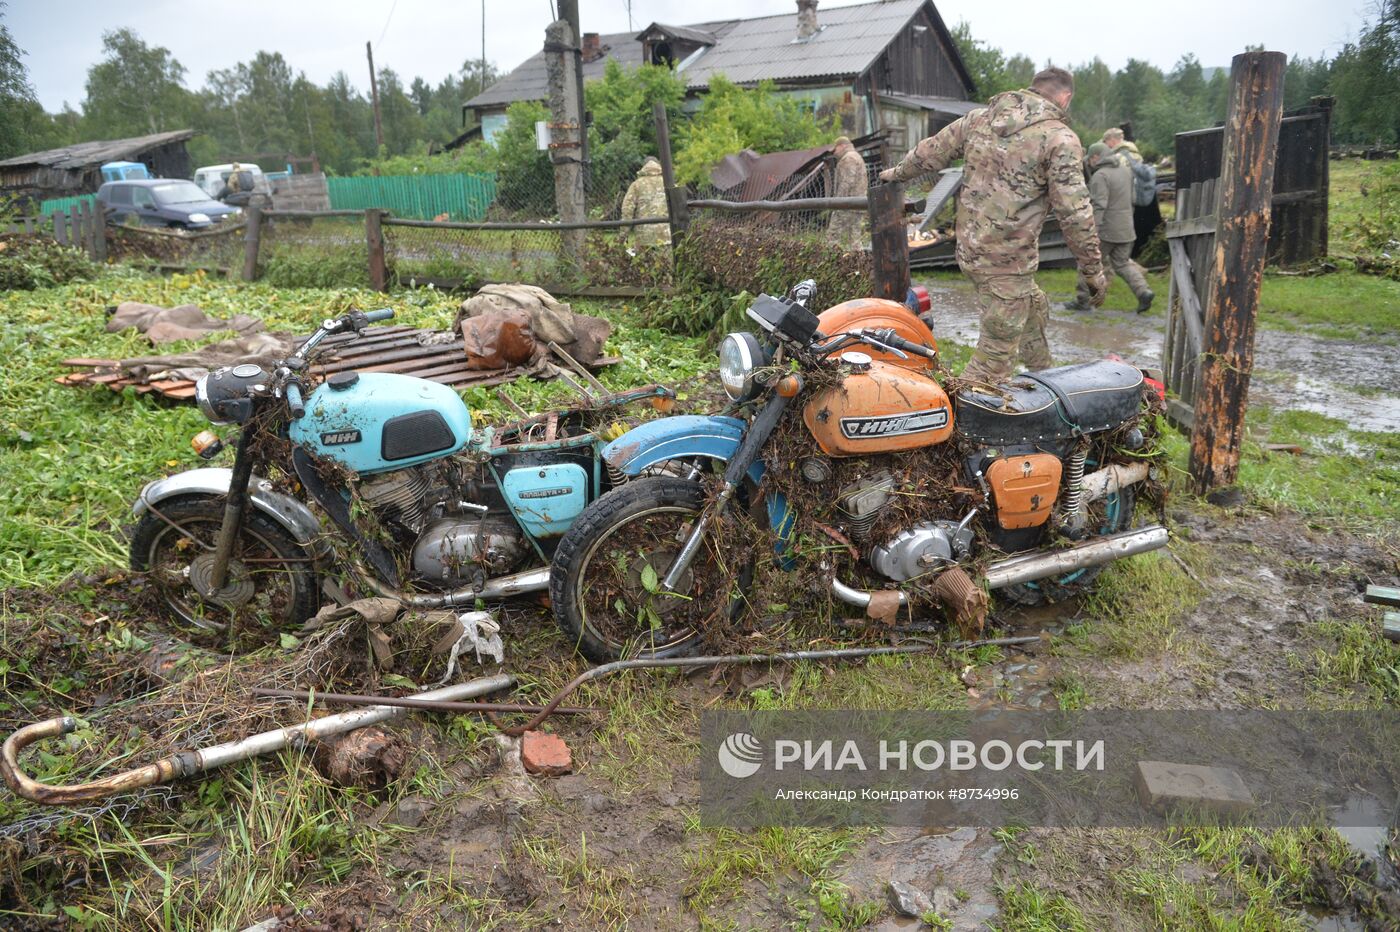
(945, 105)
(690, 33)
(83, 154)
(746, 51)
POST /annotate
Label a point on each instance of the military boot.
(1145, 302)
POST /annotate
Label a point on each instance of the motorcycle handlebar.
(385, 313)
(898, 342)
(294, 400)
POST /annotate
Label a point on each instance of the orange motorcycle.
(888, 492)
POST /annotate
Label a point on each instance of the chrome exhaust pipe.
(1040, 564)
(502, 587)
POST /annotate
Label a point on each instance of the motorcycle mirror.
(803, 291)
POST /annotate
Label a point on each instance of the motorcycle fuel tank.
(877, 313)
(878, 408)
(375, 421)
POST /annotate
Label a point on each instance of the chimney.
(592, 50)
(806, 18)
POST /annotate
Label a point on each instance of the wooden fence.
(1191, 241)
(1298, 231)
(82, 225)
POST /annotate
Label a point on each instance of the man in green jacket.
(1021, 161)
(1111, 193)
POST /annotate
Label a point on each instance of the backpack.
(1144, 183)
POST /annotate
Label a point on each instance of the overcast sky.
(431, 38)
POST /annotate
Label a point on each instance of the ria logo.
(740, 755)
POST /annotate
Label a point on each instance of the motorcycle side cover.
(884, 409)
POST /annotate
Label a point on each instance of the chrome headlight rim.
(740, 356)
(201, 399)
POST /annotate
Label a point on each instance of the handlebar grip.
(294, 400)
(385, 313)
(909, 346)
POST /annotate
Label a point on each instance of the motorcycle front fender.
(292, 515)
(687, 436)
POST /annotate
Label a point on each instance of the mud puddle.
(1297, 371)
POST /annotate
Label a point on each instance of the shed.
(77, 169)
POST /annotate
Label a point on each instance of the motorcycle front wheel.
(270, 586)
(605, 582)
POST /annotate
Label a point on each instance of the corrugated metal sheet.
(746, 51)
(849, 40)
(84, 154)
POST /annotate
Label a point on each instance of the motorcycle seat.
(1052, 404)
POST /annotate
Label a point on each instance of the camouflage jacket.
(851, 180)
(646, 197)
(1019, 154)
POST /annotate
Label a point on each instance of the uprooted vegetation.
(1254, 605)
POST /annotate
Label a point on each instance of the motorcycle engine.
(454, 542)
(914, 551)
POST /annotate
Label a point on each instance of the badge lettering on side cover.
(337, 438)
(894, 425)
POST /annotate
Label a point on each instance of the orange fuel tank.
(879, 408)
(874, 313)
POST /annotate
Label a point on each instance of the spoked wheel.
(1109, 515)
(270, 586)
(606, 578)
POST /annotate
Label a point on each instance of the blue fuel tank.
(376, 421)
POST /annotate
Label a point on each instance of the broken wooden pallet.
(378, 349)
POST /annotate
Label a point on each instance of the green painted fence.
(64, 204)
(421, 197)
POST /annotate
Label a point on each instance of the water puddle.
(1296, 371)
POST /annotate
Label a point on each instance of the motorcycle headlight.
(199, 218)
(225, 396)
(740, 355)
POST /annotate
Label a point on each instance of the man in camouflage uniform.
(1021, 159)
(1111, 193)
(850, 180)
(646, 197)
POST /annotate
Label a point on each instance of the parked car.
(168, 202)
(212, 178)
(124, 171)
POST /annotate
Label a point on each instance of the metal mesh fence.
(327, 251)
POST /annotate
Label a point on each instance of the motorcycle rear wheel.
(1111, 514)
(605, 579)
(271, 584)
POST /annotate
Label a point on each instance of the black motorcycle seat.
(1052, 404)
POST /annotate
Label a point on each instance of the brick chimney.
(806, 18)
(592, 49)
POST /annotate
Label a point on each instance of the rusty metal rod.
(188, 763)
(839, 653)
(410, 702)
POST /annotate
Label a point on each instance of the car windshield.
(179, 192)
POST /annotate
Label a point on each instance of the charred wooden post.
(566, 133)
(374, 241)
(889, 241)
(252, 236)
(676, 206)
(1241, 245)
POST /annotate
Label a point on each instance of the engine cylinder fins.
(862, 501)
(398, 496)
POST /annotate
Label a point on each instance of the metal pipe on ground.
(840, 653)
(409, 702)
(189, 763)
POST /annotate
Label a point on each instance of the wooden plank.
(1193, 226)
(86, 362)
(1382, 595)
(1186, 289)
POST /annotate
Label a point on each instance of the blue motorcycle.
(421, 506)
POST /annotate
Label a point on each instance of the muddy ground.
(1346, 379)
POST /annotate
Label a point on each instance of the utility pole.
(374, 97)
(1241, 245)
(481, 78)
(566, 134)
(568, 10)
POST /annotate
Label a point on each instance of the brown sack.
(498, 339)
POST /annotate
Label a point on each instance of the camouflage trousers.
(1118, 258)
(1014, 314)
(846, 230)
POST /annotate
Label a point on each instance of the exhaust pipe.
(1040, 564)
(502, 587)
(189, 763)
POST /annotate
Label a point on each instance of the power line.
(392, 7)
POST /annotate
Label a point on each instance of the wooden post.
(252, 242)
(85, 212)
(60, 227)
(1241, 245)
(889, 241)
(676, 207)
(77, 235)
(374, 239)
(566, 138)
(99, 243)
